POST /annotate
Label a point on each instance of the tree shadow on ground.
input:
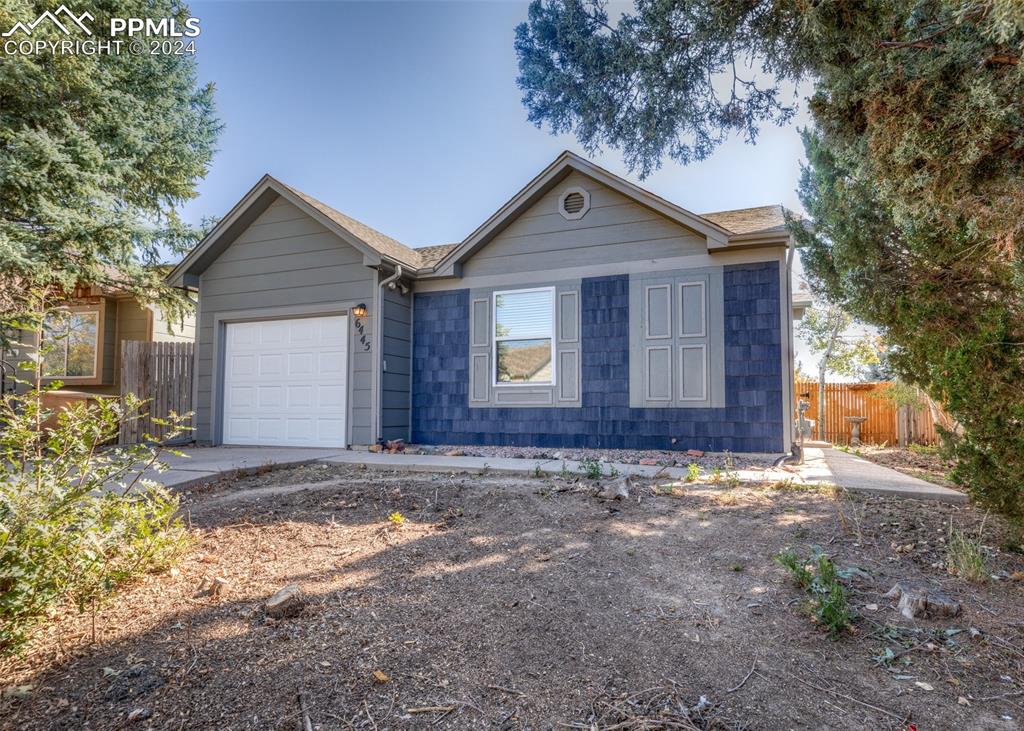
(513, 602)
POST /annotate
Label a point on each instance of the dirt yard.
(509, 603)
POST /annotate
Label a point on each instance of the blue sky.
(406, 115)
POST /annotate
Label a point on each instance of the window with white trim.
(70, 340)
(524, 344)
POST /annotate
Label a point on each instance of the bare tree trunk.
(822, 369)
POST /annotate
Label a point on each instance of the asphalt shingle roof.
(749, 220)
(739, 221)
(382, 243)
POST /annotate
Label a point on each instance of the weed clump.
(817, 576)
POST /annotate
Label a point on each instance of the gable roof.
(563, 165)
(374, 245)
(749, 226)
(380, 242)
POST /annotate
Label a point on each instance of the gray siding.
(396, 368)
(284, 259)
(615, 229)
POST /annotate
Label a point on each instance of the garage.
(286, 382)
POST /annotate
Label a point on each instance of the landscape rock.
(455, 453)
(694, 453)
(914, 600)
(287, 602)
(375, 448)
(649, 462)
(618, 490)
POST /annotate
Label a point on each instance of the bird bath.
(855, 422)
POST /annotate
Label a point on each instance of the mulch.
(514, 603)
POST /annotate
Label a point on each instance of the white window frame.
(495, 338)
(96, 313)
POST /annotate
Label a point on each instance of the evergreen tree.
(915, 181)
(97, 154)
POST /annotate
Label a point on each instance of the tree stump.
(918, 600)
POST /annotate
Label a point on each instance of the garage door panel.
(243, 334)
(332, 397)
(331, 429)
(329, 336)
(331, 362)
(301, 396)
(270, 429)
(241, 396)
(286, 382)
(237, 428)
(300, 364)
(304, 334)
(272, 365)
(270, 397)
(242, 365)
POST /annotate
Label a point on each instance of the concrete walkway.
(205, 463)
(861, 475)
(822, 466)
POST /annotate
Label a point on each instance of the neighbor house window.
(70, 339)
(524, 325)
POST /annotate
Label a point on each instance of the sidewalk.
(822, 466)
(862, 475)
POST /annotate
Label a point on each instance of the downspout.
(791, 407)
(378, 336)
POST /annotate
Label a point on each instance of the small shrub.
(537, 471)
(965, 557)
(817, 576)
(716, 476)
(693, 472)
(591, 469)
(77, 519)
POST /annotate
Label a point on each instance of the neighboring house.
(586, 312)
(87, 332)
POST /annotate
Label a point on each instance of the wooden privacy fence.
(886, 422)
(160, 374)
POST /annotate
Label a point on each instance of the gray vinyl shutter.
(480, 350)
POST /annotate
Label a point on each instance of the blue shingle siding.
(750, 422)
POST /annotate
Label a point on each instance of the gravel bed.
(623, 456)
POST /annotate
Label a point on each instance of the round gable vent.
(574, 203)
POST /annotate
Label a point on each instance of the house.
(586, 312)
(88, 331)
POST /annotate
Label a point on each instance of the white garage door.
(285, 382)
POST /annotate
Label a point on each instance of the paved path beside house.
(862, 475)
(822, 466)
